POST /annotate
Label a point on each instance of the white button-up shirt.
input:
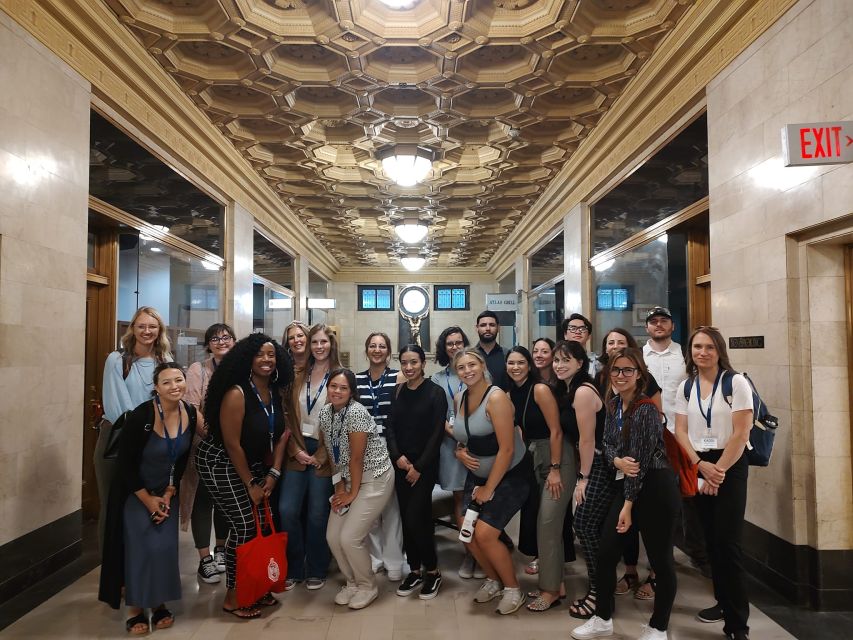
(668, 369)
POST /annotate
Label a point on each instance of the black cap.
(658, 311)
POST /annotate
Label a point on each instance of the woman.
(616, 340)
(128, 382)
(241, 458)
(543, 358)
(307, 485)
(295, 341)
(141, 548)
(646, 496)
(451, 472)
(582, 419)
(364, 483)
(415, 432)
(537, 414)
(497, 483)
(375, 388)
(196, 504)
(714, 430)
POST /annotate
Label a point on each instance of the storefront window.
(546, 312)
(185, 290)
(271, 262)
(547, 263)
(273, 310)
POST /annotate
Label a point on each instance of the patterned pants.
(589, 516)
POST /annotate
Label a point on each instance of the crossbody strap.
(465, 404)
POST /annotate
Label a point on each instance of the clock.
(414, 301)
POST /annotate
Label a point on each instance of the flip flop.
(266, 600)
(236, 613)
(540, 604)
(162, 618)
(139, 618)
(640, 594)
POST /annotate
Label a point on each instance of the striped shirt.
(377, 395)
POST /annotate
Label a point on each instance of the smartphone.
(343, 509)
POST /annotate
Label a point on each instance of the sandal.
(628, 582)
(541, 604)
(244, 613)
(532, 568)
(584, 608)
(162, 618)
(267, 600)
(646, 594)
(138, 619)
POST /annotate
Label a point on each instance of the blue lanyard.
(375, 396)
(270, 413)
(619, 414)
(336, 441)
(171, 443)
(711, 402)
(311, 403)
(449, 390)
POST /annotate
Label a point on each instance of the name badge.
(308, 429)
(451, 420)
(620, 475)
(337, 478)
(709, 443)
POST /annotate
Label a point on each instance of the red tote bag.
(261, 562)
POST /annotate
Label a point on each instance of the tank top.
(569, 421)
(528, 415)
(255, 434)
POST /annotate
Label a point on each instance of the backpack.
(759, 449)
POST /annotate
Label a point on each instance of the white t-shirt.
(721, 415)
(667, 367)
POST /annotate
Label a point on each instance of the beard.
(487, 338)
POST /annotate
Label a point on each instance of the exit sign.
(817, 143)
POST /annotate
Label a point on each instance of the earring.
(274, 377)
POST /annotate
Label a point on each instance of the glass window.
(318, 287)
(674, 178)
(375, 298)
(547, 263)
(451, 297)
(271, 262)
(273, 310)
(185, 290)
(90, 251)
(546, 312)
(612, 298)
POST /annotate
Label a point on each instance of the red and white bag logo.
(273, 572)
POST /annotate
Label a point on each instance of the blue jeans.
(308, 553)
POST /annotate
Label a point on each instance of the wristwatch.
(581, 476)
(555, 465)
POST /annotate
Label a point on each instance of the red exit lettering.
(825, 140)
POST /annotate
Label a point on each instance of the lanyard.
(171, 443)
(311, 403)
(336, 435)
(373, 393)
(619, 414)
(270, 413)
(711, 401)
(449, 390)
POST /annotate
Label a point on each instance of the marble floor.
(311, 615)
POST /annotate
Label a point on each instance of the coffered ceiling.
(310, 91)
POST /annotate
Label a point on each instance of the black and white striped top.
(377, 395)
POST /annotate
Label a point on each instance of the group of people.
(349, 462)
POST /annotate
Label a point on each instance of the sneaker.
(595, 627)
(489, 590)
(410, 584)
(511, 601)
(479, 574)
(466, 569)
(711, 614)
(219, 558)
(394, 575)
(738, 635)
(290, 583)
(312, 584)
(363, 597)
(650, 633)
(346, 593)
(207, 572)
(432, 582)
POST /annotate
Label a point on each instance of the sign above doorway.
(816, 143)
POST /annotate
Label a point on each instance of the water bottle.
(466, 531)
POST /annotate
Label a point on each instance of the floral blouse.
(336, 427)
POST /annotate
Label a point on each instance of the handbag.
(261, 562)
(114, 435)
(480, 446)
(687, 472)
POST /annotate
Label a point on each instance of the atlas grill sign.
(817, 143)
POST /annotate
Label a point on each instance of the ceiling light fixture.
(399, 4)
(410, 231)
(413, 263)
(406, 164)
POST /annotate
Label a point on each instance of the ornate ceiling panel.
(310, 91)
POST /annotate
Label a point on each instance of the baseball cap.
(658, 311)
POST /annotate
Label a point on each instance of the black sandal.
(139, 618)
(267, 600)
(243, 613)
(162, 615)
(584, 608)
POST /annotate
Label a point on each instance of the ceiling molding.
(702, 44)
(434, 275)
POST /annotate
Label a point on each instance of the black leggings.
(416, 515)
(200, 520)
(655, 513)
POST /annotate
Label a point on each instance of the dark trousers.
(722, 518)
(203, 507)
(416, 516)
(655, 514)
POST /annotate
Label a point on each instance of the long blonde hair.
(334, 356)
(162, 346)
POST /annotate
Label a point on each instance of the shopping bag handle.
(255, 512)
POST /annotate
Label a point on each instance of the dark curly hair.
(441, 356)
(235, 368)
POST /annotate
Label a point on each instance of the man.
(665, 361)
(577, 328)
(487, 329)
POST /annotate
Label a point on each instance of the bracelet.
(275, 473)
(554, 466)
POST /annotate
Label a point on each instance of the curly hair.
(235, 369)
(441, 356)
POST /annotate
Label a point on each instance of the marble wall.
(44, 175)
(771, 278)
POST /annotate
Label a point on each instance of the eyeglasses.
(221, 339)
(458, 343)
(628, 372)
(575, 329)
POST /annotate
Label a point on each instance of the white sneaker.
(489, 590)
(595, 627)
(466, 569)
(395, 575)
(219, 558)
(346, 593)
(363, 597)
(511, 601)
(479, 574)
(650, 633)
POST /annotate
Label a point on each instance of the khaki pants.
(346, 534)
